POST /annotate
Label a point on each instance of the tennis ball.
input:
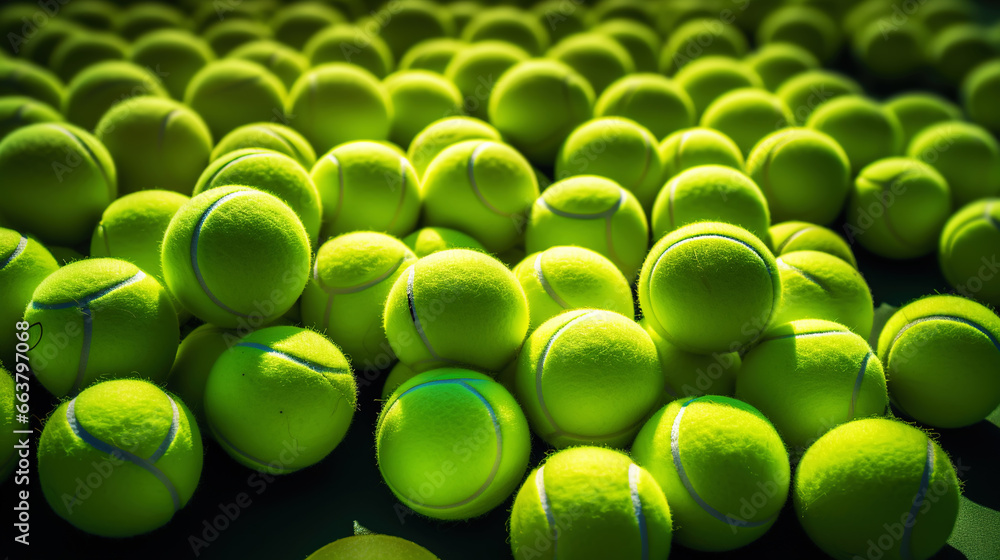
(711, 193)
(690, 444)
(651, 100)
(17, 111)
(703, 267)
(71, 176)
(367, 186)
(429, 240)
(179, 54)
(590, 502)
(708, 78)
(139, 19)
(196, 355)
(273, 173)
(701, 38)
(452, 444)
(559, 18)
(919, 110)
(594, 213)
(890, 51)
(226, 35)
(349, 43)
(967, 155)
(809, 376)
(432, 55)
(536, 104)
(561, 278)
(598, 58)
(476, 68)
(785, 160)
(509, 24)
(816, 285)
(941, 356)
(280, 399)
(24, 263)
(911, 492)
(211, 93)
(409, 22)
(269, 136)
(970, 239)
(20, 77)
(82, 50)
(630, 10)
(8, 457)
(481, 188)
(432, 315)
(957, 50)
(945, 13)
(747, 115)
(95, 14)
(399, 374)
(419, 98)
(589, 360)
(99, 87)
(100, 318)
(372, 547)
(286, 63)
(687, 374)
(146, 446)
(691, 147)
(367, 117)
(981, 85)
(440, 134)
(776, 63)
(803, 26)
(44, 40)
(637, 38)
(295, 24)
(898, 207)
(789, 237)
(204, 15)
(236, 256)
(805, 92)
(864, 129)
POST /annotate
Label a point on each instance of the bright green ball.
(864, 129)
(280, 399)
(789, 237)
(559, 18)
(941, 357)
(598, 58)
(229, 34)
(890, 51)
(806, 91)
(24, 263)
(295, 24)
(638, 39)
(652, 100)
(584, 501)
(970, 239)
(98, 15)
(776, 63)
(919, 110)
(212, 91)
(372, 547)
(407, 23)
(100, 319)
(452, 444)
(8, 458)
(809, 376)
(20, 77)
(957, 50)
(866, 482)
(803, 26)
(747, 115)
(71, 176)
(692, 147)
(433, 313)
(100, 87)
(508, 24)
(18, 111)
(286, 63)
(629, 10)
(142, 18)
(177, 53)
(441, 134)
(367, 186)
(82, 50)
(701, 38)
(236, 256)
(979, 92)
(269, 136)
(419, 98)
(787, 159)
(589, 360)
(708, 78)
(143, 445)
(196, 355)
(429, 240)
(817, 285)
(967, 155)
(349, 43)
(687, 374)
(44, 39)
(475, 70)
(432, 55)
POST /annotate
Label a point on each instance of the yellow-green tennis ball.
(443, 133)
(594, 213)
(409, 22)
(196, 355)
(229, 34)
(687, 374)
(590, 502)
(652, 100)
(793, 236)
(346, 294)
(562, 278)
(8, 458)
(803, 26)
(910, 490)
(179, 54)
(691, 147)
(156, 143)
(919, 110)
(629, 10)
(286, 63)
(589, 360)
(399, 374)
(708, 78)
(20, 77)
(864, 129)
(482, 188)
(475, 70)
(776, 63)
(236, 256)
(511, 25)
(280, 399)
(561, 19)
(429, 240)
(419, 98)
(598, 58)
(957, 50)
(295, 24)
(204, 15)
(213, 90)
(684, 447)
(432, 55)
(97, 14)
(700, 38)
(809, 376)
(349, 43)
(898, 208)
(273, 173)
(747, 115)
(120, 458)
(44, 40)
(100, 87)
(816, 285)
(890, 51)
(945, 13)
(787, 159)
(367, 117)
(372, 547)
(101, 319)
(941, 356)
(269, 136)
(969, 242)
(24, 263)
(711, 193)
(452, 444)
(980, 86)
(142, 18)
(431, 313)
(967, 155)
(82, 50)
(637, 38)
(367, 186)
(71, 176)
(17, 111)
(806, 91)
(536, 104)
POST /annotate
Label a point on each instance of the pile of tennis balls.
(624, 230)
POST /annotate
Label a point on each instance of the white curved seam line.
(413, 315)
(318, 368)
(640, 517)
(967, 322)
(608, 233)
(358, 287)
(563, 214)
(21, 244)
(471, 167)
(857, 385)
(194, 250)
(918, 502)
(550, 516)
(540, 276)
